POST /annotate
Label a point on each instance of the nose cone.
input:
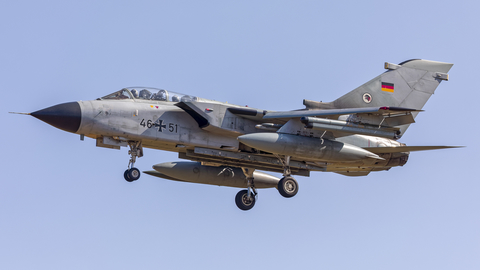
(66, 116)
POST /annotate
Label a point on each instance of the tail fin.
(408, 84)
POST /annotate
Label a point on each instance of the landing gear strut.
(136, 150)
(287, 186)
(245, 199)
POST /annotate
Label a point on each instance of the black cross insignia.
(160, 125)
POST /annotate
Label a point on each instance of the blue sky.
(64, 203)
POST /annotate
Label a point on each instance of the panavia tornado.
(229, 145)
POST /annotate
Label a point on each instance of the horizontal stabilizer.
(398, 149)
(330, 112)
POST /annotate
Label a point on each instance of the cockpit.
(154, 94)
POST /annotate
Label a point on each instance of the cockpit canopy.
(150, 94)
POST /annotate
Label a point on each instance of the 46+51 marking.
(161, 126)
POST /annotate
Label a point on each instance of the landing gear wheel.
(131, 174)
(125, 175)
(136, 150)
(288, 187)
(243, 201)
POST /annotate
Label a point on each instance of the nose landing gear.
(131, 174)
(136, 150)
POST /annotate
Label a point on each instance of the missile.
(343, 126)
(306, 147)
(195, 172)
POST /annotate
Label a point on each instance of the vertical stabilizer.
(408, 84)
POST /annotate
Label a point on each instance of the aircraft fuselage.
(353, 135)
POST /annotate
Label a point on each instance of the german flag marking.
(387, 87)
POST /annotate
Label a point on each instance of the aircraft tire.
(127, 178)
(242, 201)
(288, 187)
(133, 174)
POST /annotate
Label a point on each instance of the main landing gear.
(245, 199)
(287, 186)
(136, 150)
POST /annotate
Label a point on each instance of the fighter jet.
(229, 145)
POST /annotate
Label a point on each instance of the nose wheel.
(131, 174)
(136, 150)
